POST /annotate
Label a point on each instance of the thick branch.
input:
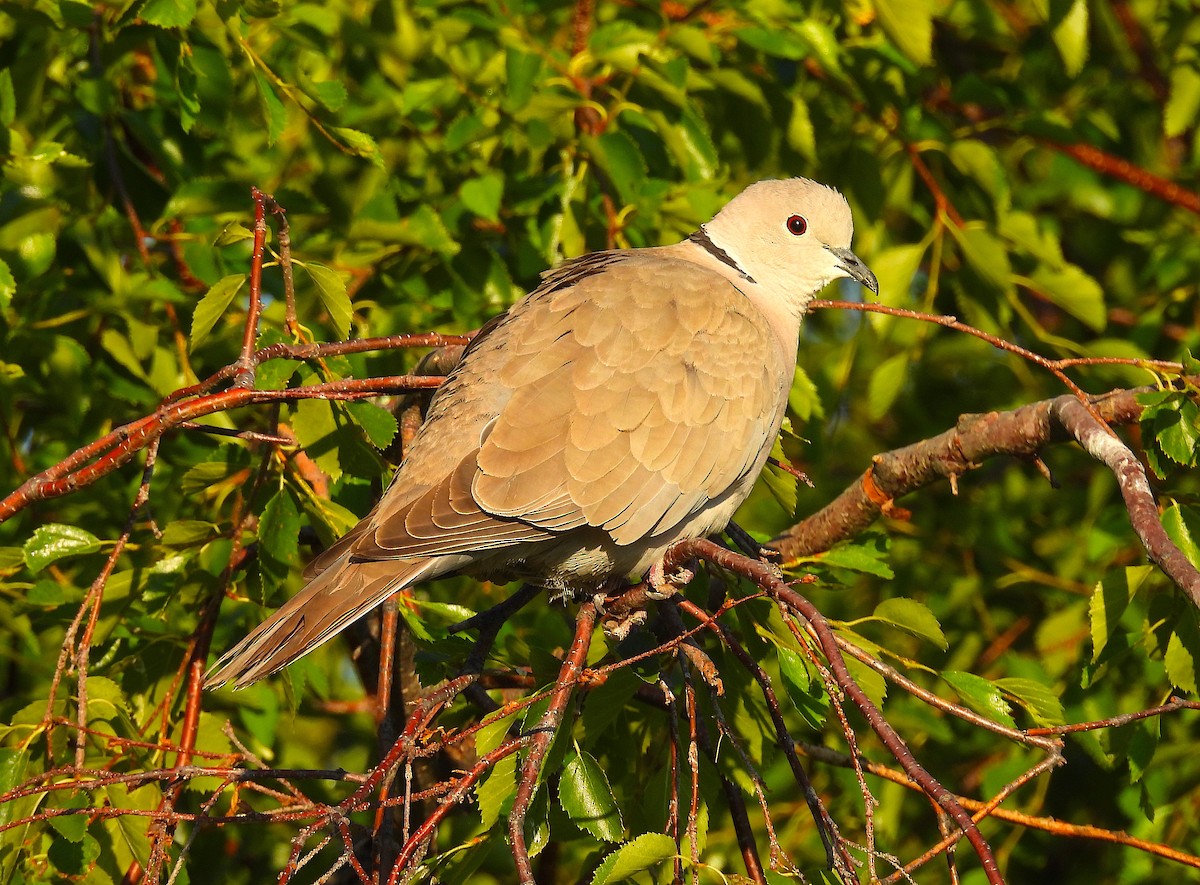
(1135, 489)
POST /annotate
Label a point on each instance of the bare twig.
(763, 576)
(543, 734)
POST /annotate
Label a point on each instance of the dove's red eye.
(797, 225)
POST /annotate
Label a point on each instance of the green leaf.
(1184, 100)
(188, 532)
(213, 305)
(8, 285)
(106, 699)
(981, 695)
(492, 735)
(1024, 231)
(8, 99)
(278, 540)
(909, 25)
(588, 798)
(688, 140)
(986, 255)
(318, 430)
(52, 542)
(231, 233)
(869, 679)
(1143, 744)
(823, 43)
(360, 144)
(801, 137)
(607, 702)
(15, 768)
(73, 859)
(483, 195)
(330, 519)
(783, 486)
(858, 557)
(1075, 292)
(522, 70)
(1177, 430)
(274, 374)
(262, 720)
(168, 13)
(1071, 37)
(12, 772)
(885, 385)
(128, 832)
(330, 93)
(1182, 524)
(273, 111)
(424, 227)
(1038, 700)
(896, 269)
(1182, 650)
(807, 692)
(981, 162)
(187, 88)
(377, 423)
(496, 793)
(646, 851)
(1109, 601)
(912, 617)
(463, 131)
(622, 162)
(71, 827)
(775, 42)
(118, 347)
(331, 289)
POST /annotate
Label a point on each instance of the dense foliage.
(1023, 166)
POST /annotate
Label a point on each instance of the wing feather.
(664, 393)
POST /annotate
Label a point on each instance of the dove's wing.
(626, 400)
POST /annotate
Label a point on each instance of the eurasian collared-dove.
(629, 402)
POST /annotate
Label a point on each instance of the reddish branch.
(1123, 170)
(543, 734)
(767, 577)
(1173, 705)
(1022, 433)
(1045, 824)
(118, 447)
(941, 201)
(244, 372)
(1147, 62)
(421, 726)
(834, 851)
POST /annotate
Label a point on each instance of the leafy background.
(1024, 166)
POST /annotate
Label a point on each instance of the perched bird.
(629, 402)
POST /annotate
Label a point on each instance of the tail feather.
(338, 596)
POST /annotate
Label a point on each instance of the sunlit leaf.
(981, 695)
(52, 542)
(331, 289)
(643, 853)
(213, 305)
(588, 799)
(912, 617)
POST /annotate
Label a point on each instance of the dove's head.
(791, 237)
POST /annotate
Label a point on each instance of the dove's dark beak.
(855, 269)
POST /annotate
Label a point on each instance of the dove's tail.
(343, 592)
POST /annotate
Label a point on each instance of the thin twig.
(543, 734)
